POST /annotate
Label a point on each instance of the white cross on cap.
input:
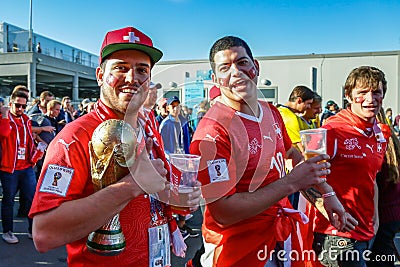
(131, 38)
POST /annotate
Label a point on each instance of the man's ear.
(99, 76)
(214, 78)
(349, 99)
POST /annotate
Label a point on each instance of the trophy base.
(106, 243)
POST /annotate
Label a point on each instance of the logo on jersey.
(254, 145)
(56, 180)
(278, 130)
(268, 137)
(218, 170)
(62, 141)
(370, 148)
(352, 143)
(214, 139)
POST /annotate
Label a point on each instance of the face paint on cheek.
(251, 73)
(111, 80)
(358, 99)
(224, 81)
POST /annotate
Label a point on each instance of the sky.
(186, 29)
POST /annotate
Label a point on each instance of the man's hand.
(49, 129)
(308, 173)
(338, 217)
(148, 175)
(4, 112)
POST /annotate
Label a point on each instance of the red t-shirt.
(68, 154)
(355, 160)
(240, 153)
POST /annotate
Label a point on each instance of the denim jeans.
(26, 181)
(336, 251)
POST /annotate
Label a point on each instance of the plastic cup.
(184, 170)
(314, 142)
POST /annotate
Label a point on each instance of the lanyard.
(23, 127)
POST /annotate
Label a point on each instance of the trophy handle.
(107, 240)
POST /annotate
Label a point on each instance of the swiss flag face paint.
(251, 73)
(111, 80)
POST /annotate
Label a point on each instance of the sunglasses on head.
(18, 105)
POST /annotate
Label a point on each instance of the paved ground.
(24, 253)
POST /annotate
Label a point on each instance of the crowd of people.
(251, 172)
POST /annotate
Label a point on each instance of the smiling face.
(124, 79)
(236, 74)
(366, 102)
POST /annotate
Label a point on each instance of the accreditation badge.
(159, 246)
(21, 152)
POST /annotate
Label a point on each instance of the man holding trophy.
(106, 180)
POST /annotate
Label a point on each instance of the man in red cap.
(66, 209)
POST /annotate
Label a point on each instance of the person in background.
(388, 202)
(16, 167)
(1, 102)
(40, 108)
(150, 104)
(85, 107)
(330, 110)
(66, 112)
(49, 119)
(69, 212)
(389, 116)
(174, 129)
(356, 145)
(161, 110)
(310, 118)
(300, 100)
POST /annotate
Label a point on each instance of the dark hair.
(301, 91)
(17, 93)
(225, 43)
(365, 76)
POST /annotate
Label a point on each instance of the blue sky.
(186, 29)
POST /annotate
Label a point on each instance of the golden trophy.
(112, 150)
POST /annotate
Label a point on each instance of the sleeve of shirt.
(66, 171)
(217, 171)
(5, 128)
(168, 136)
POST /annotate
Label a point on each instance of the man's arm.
(4, 122)
(75, 219)
(240, 206)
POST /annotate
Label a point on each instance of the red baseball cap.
(214, 92)
(126, 39)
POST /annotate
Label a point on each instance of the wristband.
(329, 194)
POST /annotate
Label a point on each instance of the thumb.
(149, 145)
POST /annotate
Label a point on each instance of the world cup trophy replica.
(112, 151)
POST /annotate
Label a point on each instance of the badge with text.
(56, 180)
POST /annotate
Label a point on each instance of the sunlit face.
(18, 106)
(174, 109)
(44, 101)
(365, 102)
(236, 74)
(125, 80)
(313, 111)
(304, 105)
(55, 111)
